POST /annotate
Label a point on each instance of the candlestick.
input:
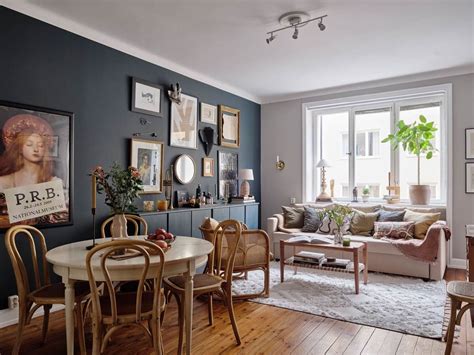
(94, 191)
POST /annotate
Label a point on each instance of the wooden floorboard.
(263, 329)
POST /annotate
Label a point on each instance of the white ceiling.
(222, 42)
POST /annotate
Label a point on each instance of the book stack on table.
(241, 199)
(320, 259)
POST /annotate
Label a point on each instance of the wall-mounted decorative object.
(184, 169)
(175, 93)
(280, 164)
(228, 172)
(147, 156)
(183, 126)
(208, 167)
(38, 140)
(208, 113)
(469, 143)
(206, 135)
(470, 178)
(229, 127)
(146, 97)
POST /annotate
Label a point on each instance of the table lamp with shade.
(323, 196)
(245, 175)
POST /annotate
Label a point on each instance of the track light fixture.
(295, 20)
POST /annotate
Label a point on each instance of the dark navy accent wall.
(45, 66)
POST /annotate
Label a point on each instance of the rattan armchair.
(139, 225)
(253, 253)
(45, 294)
(113, 311)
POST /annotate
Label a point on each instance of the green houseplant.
(365, 193)
(416, 138)
(338, 214)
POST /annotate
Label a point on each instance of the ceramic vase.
(118, 228)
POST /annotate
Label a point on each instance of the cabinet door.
(197, 218)
(155, 221)
(179, 223)
(220, 214)
(237, 213)
(251, 216)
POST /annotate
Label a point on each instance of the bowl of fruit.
(162, 238)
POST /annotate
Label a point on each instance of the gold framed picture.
(208, 167)
(229, 127)
(147, 157)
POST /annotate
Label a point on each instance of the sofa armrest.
(272, 225)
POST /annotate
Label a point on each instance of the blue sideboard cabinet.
(186, 221)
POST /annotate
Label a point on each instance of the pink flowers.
(134, 171)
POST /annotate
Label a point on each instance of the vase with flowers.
(339, 215)
(121, 188)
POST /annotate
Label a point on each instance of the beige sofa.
(383, 256)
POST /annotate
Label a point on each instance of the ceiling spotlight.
(295, 34)
(321, 25)
(271, 38)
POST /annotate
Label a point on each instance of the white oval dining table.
(185, 255)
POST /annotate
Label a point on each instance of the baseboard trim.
(456, 263)
(10, 316)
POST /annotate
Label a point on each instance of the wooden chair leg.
(451, 327)
(230, 308)
(47, 308)
(181, 323)
(81, 338)
(266, 277)
(23, 315)
(210, 309)
(97, 337)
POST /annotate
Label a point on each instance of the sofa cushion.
(329, 227)
(363, 223)
(293, 217)
(423, 221)
(312, 220)
(366, 209)
(391, 216)
(394, 230)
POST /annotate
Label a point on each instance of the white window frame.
(394, 100)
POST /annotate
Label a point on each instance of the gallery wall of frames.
(104, 106)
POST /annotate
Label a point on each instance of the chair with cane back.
(139, 225)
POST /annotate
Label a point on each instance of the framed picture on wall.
(146, 97)
(228, 163)
(469, 143)
(183, 126)
(36, 167)
(147, 157)
(470, 178)
(208, 167)
(229, 127)
(208, 113)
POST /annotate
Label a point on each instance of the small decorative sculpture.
(175, 93)
(331, 186)
(355, 194)
(207, 138)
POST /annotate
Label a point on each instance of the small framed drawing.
(208, 167)
(469, 143)
(470, 178)
(147, 156)
(146, 97)
(183, 126)
(229, 127)
(228, 164)
(208, 113)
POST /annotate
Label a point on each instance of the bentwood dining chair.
(138, 223)
(25, 239)
(114, 310)
(217, 279)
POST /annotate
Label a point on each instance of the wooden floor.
(263, 329)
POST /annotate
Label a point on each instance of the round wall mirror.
(184, 169)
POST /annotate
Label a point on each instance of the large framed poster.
(183, 126)
(36, 159)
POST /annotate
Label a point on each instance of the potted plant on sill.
(416, 139)
(121, 187)
(365, 193)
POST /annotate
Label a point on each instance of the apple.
(169, 236)
(160, 231)
(162, 244)
(151, 236)
(160, 237)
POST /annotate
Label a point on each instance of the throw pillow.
(391, 216)
(367, 209)
(209, 223)
(363, 223)
(394, 230)
(329, 227)
(311, 220)
(293, 217)
(423, 221)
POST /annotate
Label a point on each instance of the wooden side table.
(470, 259)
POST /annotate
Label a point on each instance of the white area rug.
(404, 304)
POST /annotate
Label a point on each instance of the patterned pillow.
(329, 227)
(391, 216)
(311, 220)
(394, 230)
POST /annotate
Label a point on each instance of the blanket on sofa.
(423, 250)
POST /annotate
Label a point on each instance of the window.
(349, 136)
